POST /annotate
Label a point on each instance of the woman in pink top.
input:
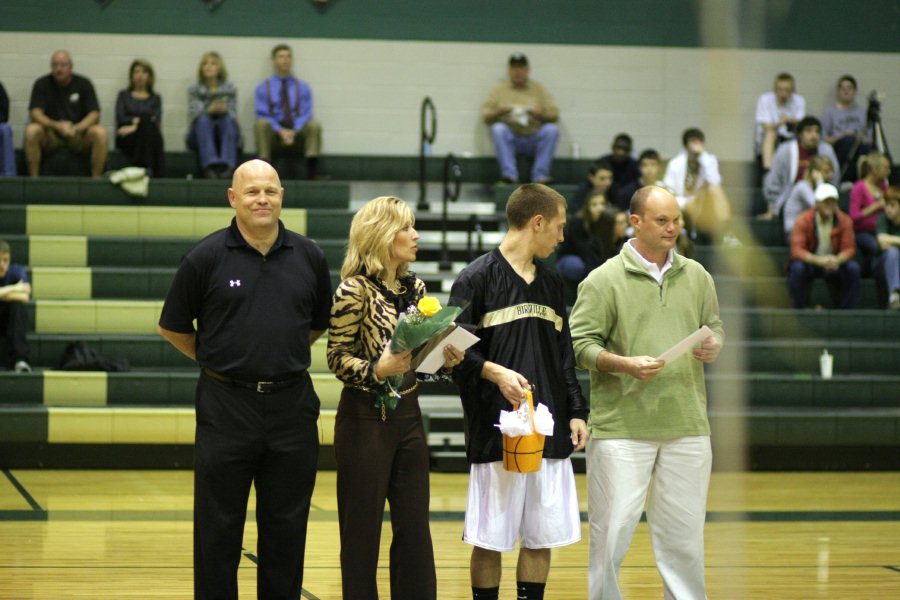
(866, 201)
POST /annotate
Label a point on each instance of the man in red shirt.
(823, 245)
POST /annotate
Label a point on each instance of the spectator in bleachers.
(803, 194)
(887, 265)
(823, 245)
(844, 126)
(583, 248)
(625, 170)
(284, 114)
(260, 296)
(790, 163)
(15, 291)
(694, 179)
(212, 112)
(139, 119)
(650, 166)
(866, 201)
(381, 451)
(777, 114)
(522, 115)
(612, 230)
(597, 182)
(64, 112)
(7, 152)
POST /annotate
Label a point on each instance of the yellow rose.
(429, 306)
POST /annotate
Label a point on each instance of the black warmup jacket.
(522, 327)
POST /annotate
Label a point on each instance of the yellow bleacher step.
(61, 282)
(139, 221)
(90, 388)
(57, 250)
(74, 388)
(97, 316)
(125, 425)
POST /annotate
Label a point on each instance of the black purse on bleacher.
(78, 356)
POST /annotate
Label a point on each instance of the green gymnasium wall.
(835, 25)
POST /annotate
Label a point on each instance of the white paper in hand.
(688, 343)
(520, 115)
(434, 360)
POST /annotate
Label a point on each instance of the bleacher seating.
(101, 262)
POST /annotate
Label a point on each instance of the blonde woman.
(866, 202)
(381, 453)
(212, 113)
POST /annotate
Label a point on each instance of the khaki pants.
(672, 475)
(308, 140)
(53, 140)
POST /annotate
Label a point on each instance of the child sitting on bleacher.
(15, 291)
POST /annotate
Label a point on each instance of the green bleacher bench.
(162, 192)
(130, 388)
(132, 221)
(143, 352)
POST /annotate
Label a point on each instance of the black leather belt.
(260, 387)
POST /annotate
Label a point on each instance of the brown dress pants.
(377, 461)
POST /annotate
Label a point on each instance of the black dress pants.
(378, 460)
(13, 329)
(271, 440)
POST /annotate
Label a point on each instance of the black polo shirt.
(254, 312)
(70, 103)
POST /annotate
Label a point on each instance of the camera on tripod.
(873, 113)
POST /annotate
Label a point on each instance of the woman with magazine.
(212, 114)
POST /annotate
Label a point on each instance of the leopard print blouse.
(363, 319)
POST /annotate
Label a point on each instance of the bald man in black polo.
(261, 295)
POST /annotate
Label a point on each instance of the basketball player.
(517, 306)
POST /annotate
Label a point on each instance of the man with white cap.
(823, 245)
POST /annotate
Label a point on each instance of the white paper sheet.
(434, 360)
(688, 343)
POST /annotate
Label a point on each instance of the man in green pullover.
(648, 425)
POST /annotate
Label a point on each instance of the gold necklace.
(397, 287)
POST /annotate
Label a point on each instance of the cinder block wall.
(367, 93)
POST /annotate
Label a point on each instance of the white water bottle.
(826, 364)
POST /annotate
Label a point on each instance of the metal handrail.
(475, 229)
(454, 170)
(426, 139)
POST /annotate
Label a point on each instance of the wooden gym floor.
(127, 534)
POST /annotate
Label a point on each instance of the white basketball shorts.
(540, 508)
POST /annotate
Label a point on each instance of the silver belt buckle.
(260, 384)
